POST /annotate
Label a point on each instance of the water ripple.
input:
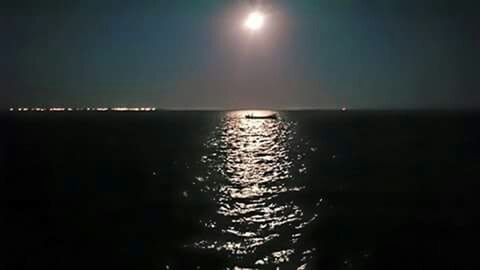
(252, 164)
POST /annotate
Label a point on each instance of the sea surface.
(214, 190)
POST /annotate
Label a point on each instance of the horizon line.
(156, 109)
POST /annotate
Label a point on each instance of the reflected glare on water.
(251, 178)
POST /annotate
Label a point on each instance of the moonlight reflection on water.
(252, 164)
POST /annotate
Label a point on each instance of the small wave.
(251, 170)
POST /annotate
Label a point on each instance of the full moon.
(255, 21)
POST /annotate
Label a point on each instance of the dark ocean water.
(212, 190)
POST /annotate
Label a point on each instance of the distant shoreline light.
(86, 109)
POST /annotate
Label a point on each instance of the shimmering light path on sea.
(252, 164)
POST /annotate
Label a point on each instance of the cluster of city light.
(58, 109)
(88, 109)
(142, 109)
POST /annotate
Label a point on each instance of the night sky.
(379, 54)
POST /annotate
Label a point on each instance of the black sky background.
(192, 55)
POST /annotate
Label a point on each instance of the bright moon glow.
(255, 21)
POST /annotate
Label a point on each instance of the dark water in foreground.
(212, 190)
